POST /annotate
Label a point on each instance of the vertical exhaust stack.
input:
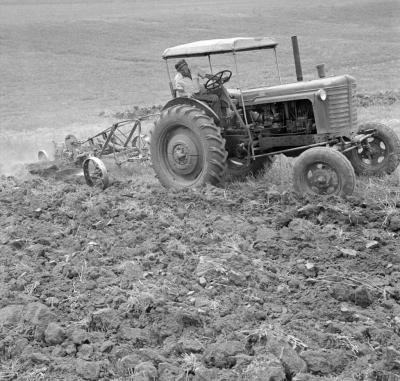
(296, 54)
(321, 70)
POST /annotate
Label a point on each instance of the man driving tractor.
(187, 84)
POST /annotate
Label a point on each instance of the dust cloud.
(21, 147)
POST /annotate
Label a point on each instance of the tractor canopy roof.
(219, 46)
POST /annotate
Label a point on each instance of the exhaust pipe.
(321, 70)
(296, 54)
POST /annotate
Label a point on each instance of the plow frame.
(123, 141)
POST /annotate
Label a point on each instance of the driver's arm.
(199, 73)
(202, 74)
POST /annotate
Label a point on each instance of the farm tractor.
(314, 121)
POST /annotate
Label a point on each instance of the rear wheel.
(323, 171)
(187, 149)
(378, 154)
(238, 169)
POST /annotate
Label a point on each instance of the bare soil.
(235, 283)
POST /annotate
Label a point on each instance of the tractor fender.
(195, 103)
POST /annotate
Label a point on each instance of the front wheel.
(187, 149)
(323, 171)
(378, 154)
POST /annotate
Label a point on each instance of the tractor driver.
(187, 85)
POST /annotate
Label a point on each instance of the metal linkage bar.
(296, 149)
(110, 135)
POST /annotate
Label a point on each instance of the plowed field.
(241, 283)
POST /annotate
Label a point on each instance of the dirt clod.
(54, 334)
(222, 355)
(325, 362)
(88, 370)
(363, 297)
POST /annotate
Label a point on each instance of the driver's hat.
(180, 64)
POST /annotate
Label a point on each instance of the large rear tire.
(323, 171)
(379, 154)
(187, 149)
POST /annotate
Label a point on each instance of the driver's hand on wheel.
(196, 83)
(202, 89)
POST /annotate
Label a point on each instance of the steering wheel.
(218, 79)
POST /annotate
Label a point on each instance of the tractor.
(314, 121)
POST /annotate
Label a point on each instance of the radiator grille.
(354, 105)
(342, 110)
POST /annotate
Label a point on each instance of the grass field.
(64, 62)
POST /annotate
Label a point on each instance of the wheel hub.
(322, 179)
(183, 154)
(373, 152)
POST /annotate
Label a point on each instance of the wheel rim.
(182, 154)
(43, 156)
(236, 163)
(239, 168)
(321, 178)
(374, 153)
(95, 173)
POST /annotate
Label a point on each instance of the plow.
(123, 142)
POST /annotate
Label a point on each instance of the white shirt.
(187, 87)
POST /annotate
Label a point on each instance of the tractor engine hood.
(292, 91)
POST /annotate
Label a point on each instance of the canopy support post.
(209, 62)
(244, 107)
(277, 66)
(171, 86)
